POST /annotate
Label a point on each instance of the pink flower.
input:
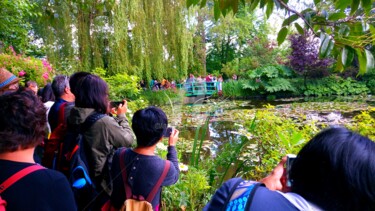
(22, 73)
(45, 75)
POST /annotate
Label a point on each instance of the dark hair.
(59, 84)
(22, 121)
(75, 78)
(92, 92)
(47, 94)
(336, 171)
(31, 83)
(149, 125)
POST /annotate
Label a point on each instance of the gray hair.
(59, 84)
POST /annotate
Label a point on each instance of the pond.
(226, 117)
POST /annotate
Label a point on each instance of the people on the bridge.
(220, 85)
(333, 171)
(22, 128)
(209, 82)
(189, 83)
(143, 168)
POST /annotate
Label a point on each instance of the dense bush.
(269, 79)
(304, 58)
(27, 68)
(333, 85)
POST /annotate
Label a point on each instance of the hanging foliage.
(138, 37)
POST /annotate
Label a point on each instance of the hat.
(7, 78)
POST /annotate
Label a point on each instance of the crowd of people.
(333, 171)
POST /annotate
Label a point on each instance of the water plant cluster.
(266, 134)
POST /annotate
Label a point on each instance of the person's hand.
(276, 180)
(173, 137)
(122, 108)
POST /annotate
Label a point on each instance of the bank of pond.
(222, 138)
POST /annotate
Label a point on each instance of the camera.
(289, 163)
(168, 132)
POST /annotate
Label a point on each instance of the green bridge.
(199, 88)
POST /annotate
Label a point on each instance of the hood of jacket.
(78, 115)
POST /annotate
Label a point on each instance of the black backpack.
(76, 158)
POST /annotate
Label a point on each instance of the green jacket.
(103, 138)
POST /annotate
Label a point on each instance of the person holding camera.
(333, 171)
(140, 167)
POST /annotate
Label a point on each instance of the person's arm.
(174, 171)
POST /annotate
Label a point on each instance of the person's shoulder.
(265, 199)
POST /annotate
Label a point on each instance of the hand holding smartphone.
(289, 162)
(168, 132)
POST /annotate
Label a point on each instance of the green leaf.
(282, 35)
(290, 20)
(362, 61)
(217, 10)
(299, 28)
(354, 6)
(254, 5)
(262, 3)
(324, 45)
(269, 8)
(235, 6)
(339, 63)
(336, 16)
(203, 3)
(316, 2)
(347, 56)
(366, 4)
(370, 60)
(342, 4)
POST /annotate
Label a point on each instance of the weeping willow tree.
(148, 38)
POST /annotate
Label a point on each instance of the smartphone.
(289, 162)
(168, 132)
(115, 104)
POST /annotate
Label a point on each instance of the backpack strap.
(90, 120)
(61, 118)
(128, 191)
(19, 175)
(242, 195)
(155, 189)
(251, 196)
(231, 193)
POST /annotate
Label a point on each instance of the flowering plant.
(27, 68)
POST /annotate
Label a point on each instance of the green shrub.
(122, 86)
(162, 97)
(333, 85)
(234, 89)
(27, 68)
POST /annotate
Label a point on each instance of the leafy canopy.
(346, 27)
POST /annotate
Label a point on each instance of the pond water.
(225, 115)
